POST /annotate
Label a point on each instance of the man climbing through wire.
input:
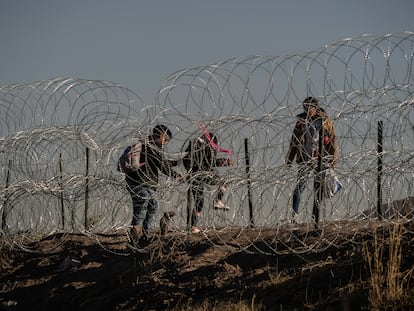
(142, 184)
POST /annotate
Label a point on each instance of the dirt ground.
(283, 268)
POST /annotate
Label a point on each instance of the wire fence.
(61, 138)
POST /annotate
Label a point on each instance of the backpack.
(130, 159)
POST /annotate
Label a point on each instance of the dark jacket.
(297, 143)
(147, 175)
(201, 156)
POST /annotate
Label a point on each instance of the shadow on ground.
(264, 268)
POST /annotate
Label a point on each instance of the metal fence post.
(249, 194)
(379, 169)
(4, 215)
(62, 206)
(189, 194)
(318, 195)
(87, 190)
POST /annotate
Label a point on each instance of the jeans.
(304, 174)
(144, 207)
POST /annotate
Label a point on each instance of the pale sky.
(140, 43)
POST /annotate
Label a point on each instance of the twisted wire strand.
(64, 137)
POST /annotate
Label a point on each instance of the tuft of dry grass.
(388, 285)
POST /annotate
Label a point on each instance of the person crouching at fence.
(199, 161)
(305, 145)
(142, 183)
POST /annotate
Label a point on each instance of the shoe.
(195, 230)
(220, 205)
(138, 246)
(143, 241)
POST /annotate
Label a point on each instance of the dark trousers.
(197, 183)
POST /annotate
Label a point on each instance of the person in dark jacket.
(143, 182)
(304, 146)
(200, 162)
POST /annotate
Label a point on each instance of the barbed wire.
(61, 138)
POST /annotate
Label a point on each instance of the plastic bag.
(332, 183)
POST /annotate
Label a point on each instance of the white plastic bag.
(332, 183)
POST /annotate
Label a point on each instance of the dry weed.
(389, 286)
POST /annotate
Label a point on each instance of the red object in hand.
(326, 140)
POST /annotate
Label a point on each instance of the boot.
(136, 233)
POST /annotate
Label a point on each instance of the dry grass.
(353, 266)
(389, 285)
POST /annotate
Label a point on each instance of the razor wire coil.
(47, 126)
